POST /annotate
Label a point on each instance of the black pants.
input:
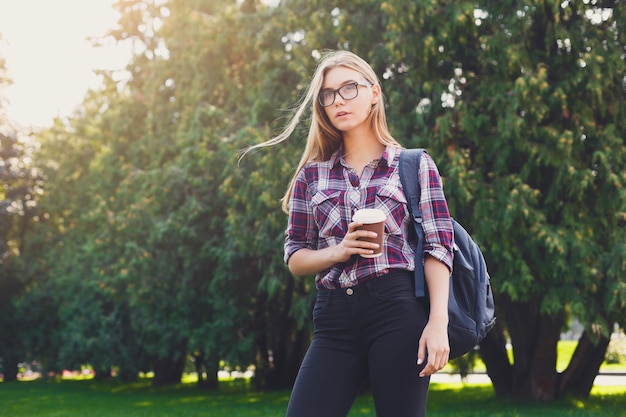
(369, 330)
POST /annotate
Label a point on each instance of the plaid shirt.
(326, 195)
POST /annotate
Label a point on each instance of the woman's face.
(348, 112)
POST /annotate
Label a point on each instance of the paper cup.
(373, 220)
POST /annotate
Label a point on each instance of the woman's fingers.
(353, 244)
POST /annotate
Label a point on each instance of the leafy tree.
(71, 277)
(250, 321)
(9, 284)
(133, 201)
(520, 102)
(20, 187)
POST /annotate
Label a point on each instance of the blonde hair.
(323, 138)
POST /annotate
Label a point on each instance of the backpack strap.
(408, 169)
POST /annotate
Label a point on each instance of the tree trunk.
(543, 374)
(10, 367)
(584, 366)
(11, 347)
(534, 337)
(294, 341)
(128, 373)
(296, 354)
(103, 373)
(278, 361)
(494, 354)
(168, 370)
(284, 337)
(533, 375)
(207, 374)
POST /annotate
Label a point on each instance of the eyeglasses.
(347, 92)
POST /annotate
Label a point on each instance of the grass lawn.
(76, 398)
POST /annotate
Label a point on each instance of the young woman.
(367, 320)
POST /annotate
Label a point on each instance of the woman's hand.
(435, 346)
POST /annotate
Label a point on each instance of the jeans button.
(349, 291)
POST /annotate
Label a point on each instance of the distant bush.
(465, 364)
(616, 352)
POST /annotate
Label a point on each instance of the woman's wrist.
(438, 318)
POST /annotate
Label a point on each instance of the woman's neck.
(361, 149)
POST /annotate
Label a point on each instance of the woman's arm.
(434, 343)
(434, 346)
(310, 261)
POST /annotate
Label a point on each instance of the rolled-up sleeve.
(437, 224)
(301, 229)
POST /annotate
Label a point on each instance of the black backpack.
(471, 308)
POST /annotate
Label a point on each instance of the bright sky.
(48, 56)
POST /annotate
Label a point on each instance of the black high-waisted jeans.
(372, 329)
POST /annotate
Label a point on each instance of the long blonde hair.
(323, 138)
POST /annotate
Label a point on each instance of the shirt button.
(349, 291)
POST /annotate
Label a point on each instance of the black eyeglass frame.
(337, 91)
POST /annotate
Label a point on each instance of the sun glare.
(49, 57)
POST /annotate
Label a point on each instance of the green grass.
(68, 398)
(78, 398)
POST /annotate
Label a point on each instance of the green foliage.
(520, 104)
(20, 187)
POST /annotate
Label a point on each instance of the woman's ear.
(375, 93)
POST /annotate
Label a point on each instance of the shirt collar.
(389, 156)
(336, 157)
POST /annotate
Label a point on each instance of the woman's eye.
(348, 88)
